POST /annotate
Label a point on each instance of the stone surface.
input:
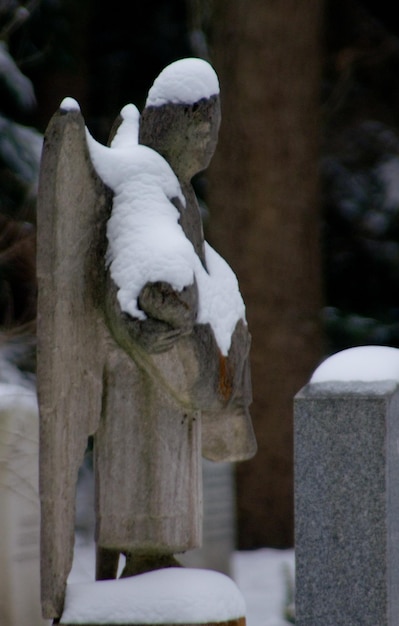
(347, 504)
(167, 596)
(71, 207)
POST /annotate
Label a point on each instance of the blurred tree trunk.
(264, 204)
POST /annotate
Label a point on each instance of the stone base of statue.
(173, 595)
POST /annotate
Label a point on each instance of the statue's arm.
(170, 315)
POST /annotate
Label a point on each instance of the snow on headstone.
(361, 364)
(19, 507)
(346, 497)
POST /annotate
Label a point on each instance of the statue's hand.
(170, 315)
(178, 309)
(152, 335)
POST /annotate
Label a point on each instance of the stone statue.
(154, 375)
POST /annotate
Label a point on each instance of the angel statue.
(142, 338)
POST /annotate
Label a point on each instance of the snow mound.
(184, 82)
(167, 596)
(146, 242)
(360, 364)
(69, 104)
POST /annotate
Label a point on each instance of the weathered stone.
(71, 213)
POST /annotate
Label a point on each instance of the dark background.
(108, 54)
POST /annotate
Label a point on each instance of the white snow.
(361, 364)
(167, 596)
(127, 135)
(220, 303)
(262, 576)
(184, 82)
(145, 240)
(69, 104)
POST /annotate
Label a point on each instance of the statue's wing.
(72, 209)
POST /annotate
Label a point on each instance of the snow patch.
(184, 82)
(264, 578)
(167, 596)
(220, 303)
(145, 241)
(127, 135)
(69, 104)
(360, 364)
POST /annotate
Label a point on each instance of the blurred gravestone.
(142, 340)
(346, 495)
(219, 520)
(19, 507)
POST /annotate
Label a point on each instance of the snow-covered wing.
(72, 208)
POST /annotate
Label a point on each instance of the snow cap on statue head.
(184, 82)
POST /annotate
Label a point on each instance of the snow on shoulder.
(166, 596)
(184, 82)
(146, 242)
(360, 364)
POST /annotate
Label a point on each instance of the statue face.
(186, 135)
(201, 139)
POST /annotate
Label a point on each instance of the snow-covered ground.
(263, 576)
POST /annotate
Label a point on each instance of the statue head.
(181, 118)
